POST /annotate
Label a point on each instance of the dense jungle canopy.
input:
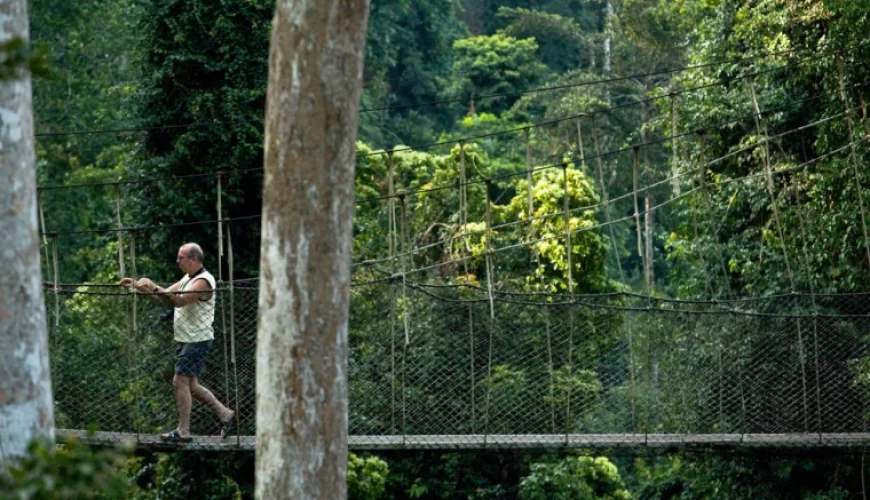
(137, 90)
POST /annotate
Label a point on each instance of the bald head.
(193, 251)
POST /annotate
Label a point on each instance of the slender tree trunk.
(608, 14)
(315, 78)
(649, 276)
(649, 215)
(608, 31)
(26, 410)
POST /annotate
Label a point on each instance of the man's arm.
(200, 289)
(157, 293)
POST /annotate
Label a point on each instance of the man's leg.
(183, 398)
(203, 395)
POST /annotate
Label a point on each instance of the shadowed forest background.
(137, 89)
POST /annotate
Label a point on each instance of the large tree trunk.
(26, 410)
(315, 78)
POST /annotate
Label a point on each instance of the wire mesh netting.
(454, 367)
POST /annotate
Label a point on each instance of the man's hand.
(143, 285)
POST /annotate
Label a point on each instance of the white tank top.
(195, 321)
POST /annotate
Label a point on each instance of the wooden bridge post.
(221, 287)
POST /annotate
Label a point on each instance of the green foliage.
(496, 64)
(588, 247)
(91, 83)
(186, 475)
(562, 44)
(161, 64)
(366, 477)
(407, 58)
(708, 477)
(582, 386)
(16, 55)
(815, 205)
(205, 64)
(434, 475)
(68, 472)
(574, 478)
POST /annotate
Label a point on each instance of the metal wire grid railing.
(446, 367)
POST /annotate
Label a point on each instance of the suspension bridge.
(445, 354)
(543, 371)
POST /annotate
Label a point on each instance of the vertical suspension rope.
(135, 326)
(391, 244)
(56, 284)
(43, 230)
(54, 265)
(607, 218)
(640, 246)
(134, 277)
(220, 255)
(552, 384)
(233, 327)
(648, 243)
(536, 258)
(392, 357)
(489, 272)
(719, 348)
(406, 252)
(693, 209)
(702, 176)
(675, 145)
(634, 169)
(463, 205)
(220, 229)
(463, 222)
(852, 154)
(811, 285)
(864, 120)
(580, 142)
(648, 215)
(640, 255)
(406, 308)
(131, 319)
(649, 270)
(566, 203)
(42, 217)
(488, 249)
(121, 266)
(606, 203)
(391, 215)
(761, 130)
(531, 199)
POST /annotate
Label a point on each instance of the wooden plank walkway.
(494, 442)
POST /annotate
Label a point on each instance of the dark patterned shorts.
(191, 358)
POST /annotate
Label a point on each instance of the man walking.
(194, 302)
